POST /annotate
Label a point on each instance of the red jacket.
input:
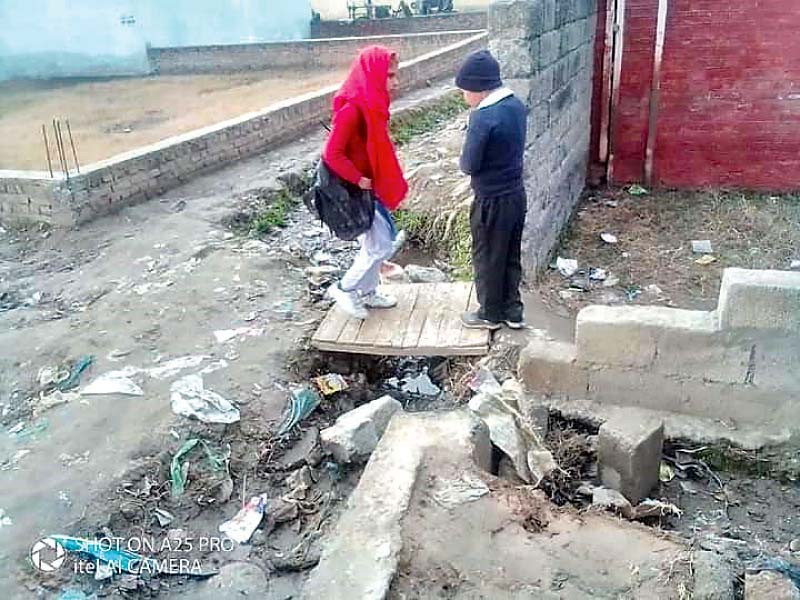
(359, 144)
(345, 152)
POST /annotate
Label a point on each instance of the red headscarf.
(365, 87)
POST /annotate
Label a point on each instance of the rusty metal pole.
(47, 150)
(72, 143)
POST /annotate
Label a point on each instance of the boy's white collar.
(495, 97)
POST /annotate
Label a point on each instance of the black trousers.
(496, 225)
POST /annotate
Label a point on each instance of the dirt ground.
(653, 262)
(108, 117)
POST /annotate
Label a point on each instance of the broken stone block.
(629, 454)
(769, 585)
(356, 433)
(713, 577)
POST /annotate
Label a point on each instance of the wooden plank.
(331, 326)
(419, 316)
(393, 325)
(426, 321)
(454, 300)
(350, 332)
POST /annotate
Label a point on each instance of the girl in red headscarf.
(360, 151)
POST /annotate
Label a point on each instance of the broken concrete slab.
(356, 433)
(629, 453)
(769, 585)
(360, 558)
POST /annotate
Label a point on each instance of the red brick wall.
(729, 112)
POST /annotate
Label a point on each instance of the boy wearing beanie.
(492, 156)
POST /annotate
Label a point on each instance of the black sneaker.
(472, 320)
(514, 323)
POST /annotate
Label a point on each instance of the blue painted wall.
(91, 38)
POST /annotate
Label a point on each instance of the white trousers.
(375, 247)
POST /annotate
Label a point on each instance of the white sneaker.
(349, 302)
(377, 300)
(399, 241)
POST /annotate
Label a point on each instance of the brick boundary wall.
(302, 55)
(457, 21)
(546, 52)
(147, 172)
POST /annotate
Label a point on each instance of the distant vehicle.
(367, 9)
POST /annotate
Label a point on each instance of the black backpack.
(345, 208)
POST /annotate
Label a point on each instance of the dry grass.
(653, 259)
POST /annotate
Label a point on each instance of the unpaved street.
(147, 285)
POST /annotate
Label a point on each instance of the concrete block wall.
(460, 21)
(740, 362)
(298, 55)
(546, 52)
(106, 186)
(27, 196)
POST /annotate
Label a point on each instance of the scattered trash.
(654, 290)
(242, 526)
(190, 399)
(74, 377)
(633, 292)
(226, 335)
(598, 274)
(609, 238)
(50, 375)
(419, 274)
(331, 383)
(637, 190)
(794, 545)
(104, 571)
(164, 517)
(174, 366)
(69, 460)
(55, 398)
(302, 403)
(566, 294)
(666, 473)
(178, 470)
(706, 259)
(567, 266)
(611, 281)
(510, 432)
(418, 384)
(483, 381)
(655, 508)
(5, 520)
(117, 355)
(794, 265)
(611, 203)
(460, 491)
(112, 383)
(12, 464)
(701, 246)
(20, 432)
